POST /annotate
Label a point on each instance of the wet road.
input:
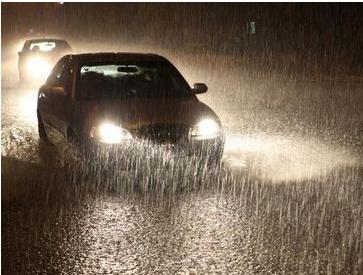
(280, 202)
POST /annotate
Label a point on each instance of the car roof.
(115, 56)
(45, 40)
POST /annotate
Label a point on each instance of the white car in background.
(38, 56)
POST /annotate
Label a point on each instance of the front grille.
(163, 133)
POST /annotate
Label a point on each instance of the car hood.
(134, 113)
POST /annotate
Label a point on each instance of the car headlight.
(110, 133)
(205, 129)
(38, 67)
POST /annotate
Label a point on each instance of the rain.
(285, 80)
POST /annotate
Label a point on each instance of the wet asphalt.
(277, 204)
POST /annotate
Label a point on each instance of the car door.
(58, 96)
(45, 99)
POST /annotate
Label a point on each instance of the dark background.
(308, 39)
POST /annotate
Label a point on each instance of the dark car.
(38, 57)
(126, 98)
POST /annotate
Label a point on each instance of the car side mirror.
(199, 88)
(58, 91)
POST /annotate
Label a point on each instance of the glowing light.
(38, 67)
(109, 133)
(205, 129)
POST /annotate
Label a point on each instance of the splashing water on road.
(273, 202)
(287, 197)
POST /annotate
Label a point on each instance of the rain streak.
(285, 81)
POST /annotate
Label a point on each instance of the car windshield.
(47, 46)
(131, 79)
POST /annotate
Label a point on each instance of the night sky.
(305, 39)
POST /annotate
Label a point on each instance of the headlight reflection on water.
(28, 107)
(281, 158)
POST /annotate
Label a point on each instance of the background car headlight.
(110, 133)
(38, 67)
(205, 129)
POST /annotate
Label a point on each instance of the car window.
(61, 75)
(55, 74)
(45, 46)
(131, 79)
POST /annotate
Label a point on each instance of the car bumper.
(191, 148)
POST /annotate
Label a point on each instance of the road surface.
(280, 202)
